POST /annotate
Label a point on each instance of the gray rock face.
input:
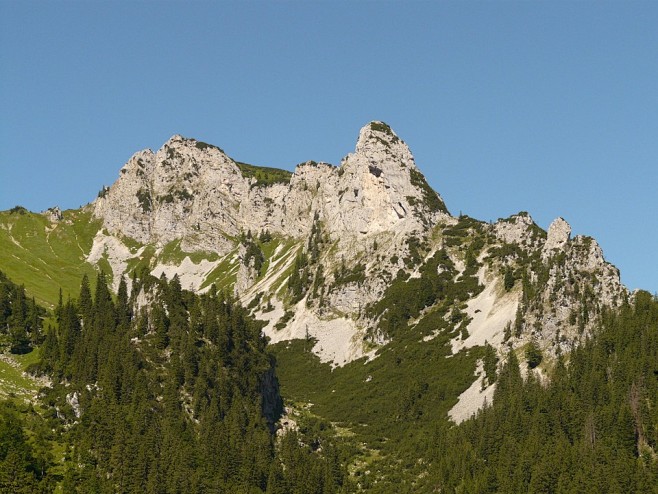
(192, 191)
(570, 298)
(558, 235)
(516, 229)
(246, 272)
(174, 194)
(53, 214)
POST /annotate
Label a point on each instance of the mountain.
(188, 187)
(411, 350)
(348, 232)
(349, 255)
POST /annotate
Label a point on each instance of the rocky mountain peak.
(559, 233)
(378, 142)
(386, 184)
(360, 224)
(176, 139)
(376, 132)
(515, 229)
(338, 249)
(188, 187)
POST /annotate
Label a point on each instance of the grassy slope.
(47, 257)
(13, 383)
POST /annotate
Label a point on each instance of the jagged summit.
(559, 233)
(193, 191)
(376, 138)
(177, 138)
(353, 257)
(381, 150)
(343, 237)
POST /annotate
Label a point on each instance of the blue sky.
(545, 107)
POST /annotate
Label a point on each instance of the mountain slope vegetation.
(46, 256)
(590, 426)
(210, 326)
(180, 396)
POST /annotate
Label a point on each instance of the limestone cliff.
(315, 252)
(192, 191)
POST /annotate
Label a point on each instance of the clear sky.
(545, 107)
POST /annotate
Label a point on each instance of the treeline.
(167, 391)
(593, 428)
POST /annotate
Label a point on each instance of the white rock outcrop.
(53, 214)
(193, 191)
(559, 233)
(514, 230)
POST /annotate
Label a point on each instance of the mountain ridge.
(227, 201)
(349, 255)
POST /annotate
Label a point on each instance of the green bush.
(533, 355)
(264, 175)
(144, 198)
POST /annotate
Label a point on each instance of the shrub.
(18, 210)
(144, 198)
(533, 355)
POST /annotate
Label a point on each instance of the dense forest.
(160, 390)
(163, 391)
(592, 428)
